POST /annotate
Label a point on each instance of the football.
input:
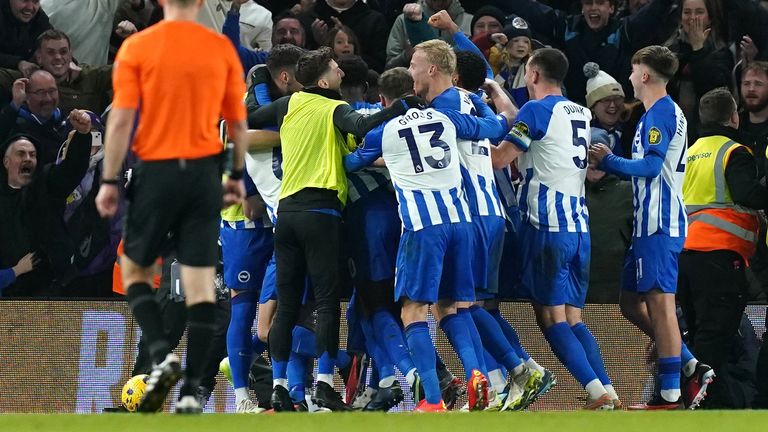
(132, 392)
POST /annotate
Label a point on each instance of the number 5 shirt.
(553, 133)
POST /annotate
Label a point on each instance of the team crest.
(519, 23)
(654, 136)
(243, 276)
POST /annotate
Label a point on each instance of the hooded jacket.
(33, 222)
(17, 39)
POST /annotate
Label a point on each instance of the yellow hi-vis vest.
(313, 148)
(234, 214)
(715, 222)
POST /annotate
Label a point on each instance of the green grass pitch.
(678, 421)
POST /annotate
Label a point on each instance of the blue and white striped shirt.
(657, 169)
(420, 151)
(265, 167)
(553, 133)
(474, 154)
(361, 183)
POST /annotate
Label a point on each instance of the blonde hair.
(440, 54)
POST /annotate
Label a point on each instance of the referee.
(313, 126)
(174, 80)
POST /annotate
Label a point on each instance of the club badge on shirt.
(654, 136)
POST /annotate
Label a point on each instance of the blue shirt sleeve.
(261, 93)
(367, 153)
(231, 28)
(248, 57)
(463, 43)
(649, 166)
(527, 126)
(483, 125)
(7, 277)
(485, 111)
(250, 186)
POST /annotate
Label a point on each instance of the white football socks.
(326, 378)
(410, 376)
(595, 389)
(531, 363)
(241, 394)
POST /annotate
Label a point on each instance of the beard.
(755, 105)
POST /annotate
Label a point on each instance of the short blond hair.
(440, 54)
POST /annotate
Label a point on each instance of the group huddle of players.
(451, 207)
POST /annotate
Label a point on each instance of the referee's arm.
(118, 136)
(116, 144)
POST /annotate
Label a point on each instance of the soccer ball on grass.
(133, 390)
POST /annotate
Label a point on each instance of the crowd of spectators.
(55, 65)
(55, 57)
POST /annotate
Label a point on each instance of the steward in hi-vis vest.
(722, 194)
(715, 221)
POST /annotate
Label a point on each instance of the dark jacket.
(91, 90)
(609, 202)
(17, 39)
(48, 135)
(369, 26)
(702, 70)
(611, 47)
(33, 222)
(741, 172)
(755, 136)
(747, 17)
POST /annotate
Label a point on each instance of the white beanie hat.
(600, 85)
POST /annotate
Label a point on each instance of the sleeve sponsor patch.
(654, 136)
(522, 128)
(519, 135)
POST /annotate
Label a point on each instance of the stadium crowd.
(57, 60)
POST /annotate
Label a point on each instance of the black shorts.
(174, 204)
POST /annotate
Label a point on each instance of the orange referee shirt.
(181, 78)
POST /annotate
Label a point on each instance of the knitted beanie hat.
(600, 85)
(487, 10)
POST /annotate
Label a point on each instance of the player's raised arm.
(481, 126)
(504, 105)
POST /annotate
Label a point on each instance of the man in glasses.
(34, 110)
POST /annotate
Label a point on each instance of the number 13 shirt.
(421, 152)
